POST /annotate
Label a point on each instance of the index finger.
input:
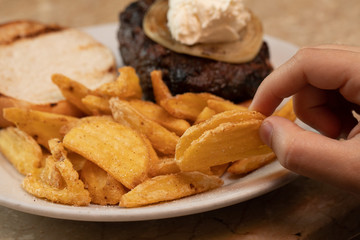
(321, 67)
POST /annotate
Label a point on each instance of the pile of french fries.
(132, 152)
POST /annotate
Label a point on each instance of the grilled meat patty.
(184, 73)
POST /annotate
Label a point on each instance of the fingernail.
(266, 132)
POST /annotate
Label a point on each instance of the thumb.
(313, 155)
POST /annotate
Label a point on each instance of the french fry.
(162, 139)
(156, 113)
(196, 131)
(77, 161)
(45, 154)
(126, 86)
(183, 106)
(97, 105)
(72, 90)
(117, 149)
(169, 187)
(219, 170)
(73, 193)
(160, 89)
(50, 175)
(226, 143)
(42, 126)
(225, 138)
(163, 166)
(188, 105)
(222, 105)
(20, 149)
(250, 164)
(286, 111)
(67, 127)
(103, 188)
(205, 114)
(153, 157)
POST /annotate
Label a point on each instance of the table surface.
(303, 209)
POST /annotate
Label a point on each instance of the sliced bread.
(30, 52)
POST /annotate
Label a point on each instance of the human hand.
(325, 84)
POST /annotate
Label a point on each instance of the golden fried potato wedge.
(42, 126)
(45, 154)
(153, 157)
(163, 166)
(117, 149)
(77, 161)
(223, 105)
(97, 105)
(226, 143)
(51, 175)
(67, 127)
(103, 188)
(20, 149)
(157, 114)
(72, 90)
(162, 139)
(196, 131)
(126, 86)
(73, 193)
(224, 138)
(219, 170)
(205, 114)
(250, 164)
(286, 111)
(188, 105)
(160, 89)
(169, 187)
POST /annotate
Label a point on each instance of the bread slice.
(30, 52)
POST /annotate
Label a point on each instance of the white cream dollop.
(206, 21)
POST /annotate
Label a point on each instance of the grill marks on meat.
(183, 73)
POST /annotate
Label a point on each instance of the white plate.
(235, 190)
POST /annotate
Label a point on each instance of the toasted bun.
(30, 52)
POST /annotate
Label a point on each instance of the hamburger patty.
(184, 73)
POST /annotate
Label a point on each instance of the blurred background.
(302, 22)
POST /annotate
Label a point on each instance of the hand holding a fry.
(325, 83)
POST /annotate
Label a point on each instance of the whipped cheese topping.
(206, 21)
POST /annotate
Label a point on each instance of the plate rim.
(162, 210)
